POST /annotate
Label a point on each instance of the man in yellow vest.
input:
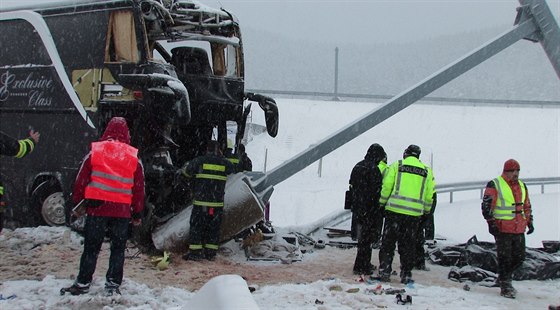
(507, 210)
(406, 195)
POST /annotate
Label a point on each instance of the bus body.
(173, 69)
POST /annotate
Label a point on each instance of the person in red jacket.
(111, 180)
(507, 210)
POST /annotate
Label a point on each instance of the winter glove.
(531, 228)
(493, 228)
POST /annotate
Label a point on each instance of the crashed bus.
(173, 69)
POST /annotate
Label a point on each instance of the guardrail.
(480, 185)
(442, 100)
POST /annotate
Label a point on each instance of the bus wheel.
(53, 210)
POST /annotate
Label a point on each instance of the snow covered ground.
(463, 143)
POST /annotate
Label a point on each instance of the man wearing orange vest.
(507, 209)
(111, 180)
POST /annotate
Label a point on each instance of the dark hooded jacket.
(117, 129)
(366, 181)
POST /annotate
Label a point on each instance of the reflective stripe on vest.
(25, 147)
(505, 203)
(113, 166)
(233, 160)
(402, 204)
(195, 247)
(210, 168)
(211, 246)
(209, 204)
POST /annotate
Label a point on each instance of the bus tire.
(49, 205)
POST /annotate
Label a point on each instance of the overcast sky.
(351, 21)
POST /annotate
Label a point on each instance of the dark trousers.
(368, 232)
(511, 254)
(205, 224)
(377, 225)
(419, 257)
(398, 229)
(94, 234)
(429, 228)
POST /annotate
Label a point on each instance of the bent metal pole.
(534, 22)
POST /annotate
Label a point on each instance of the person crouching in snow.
(111, 179)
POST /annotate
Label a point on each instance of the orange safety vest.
(112, 176)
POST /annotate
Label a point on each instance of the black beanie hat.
(412, 150)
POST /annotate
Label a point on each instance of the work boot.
(111, 288)
(406, 280)
(75, 289)
(210, 254)
(508, 292)
(406, 277)
(365, 271)
(359, 271)
(422, 267)
(384, 276)
(110, 291)
(194, 256)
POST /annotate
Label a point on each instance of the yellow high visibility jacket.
(383, 168)
(505, 204)
(408, 187)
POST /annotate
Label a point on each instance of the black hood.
(375, 153)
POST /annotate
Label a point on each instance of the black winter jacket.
(210, 190)
(365, 182)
